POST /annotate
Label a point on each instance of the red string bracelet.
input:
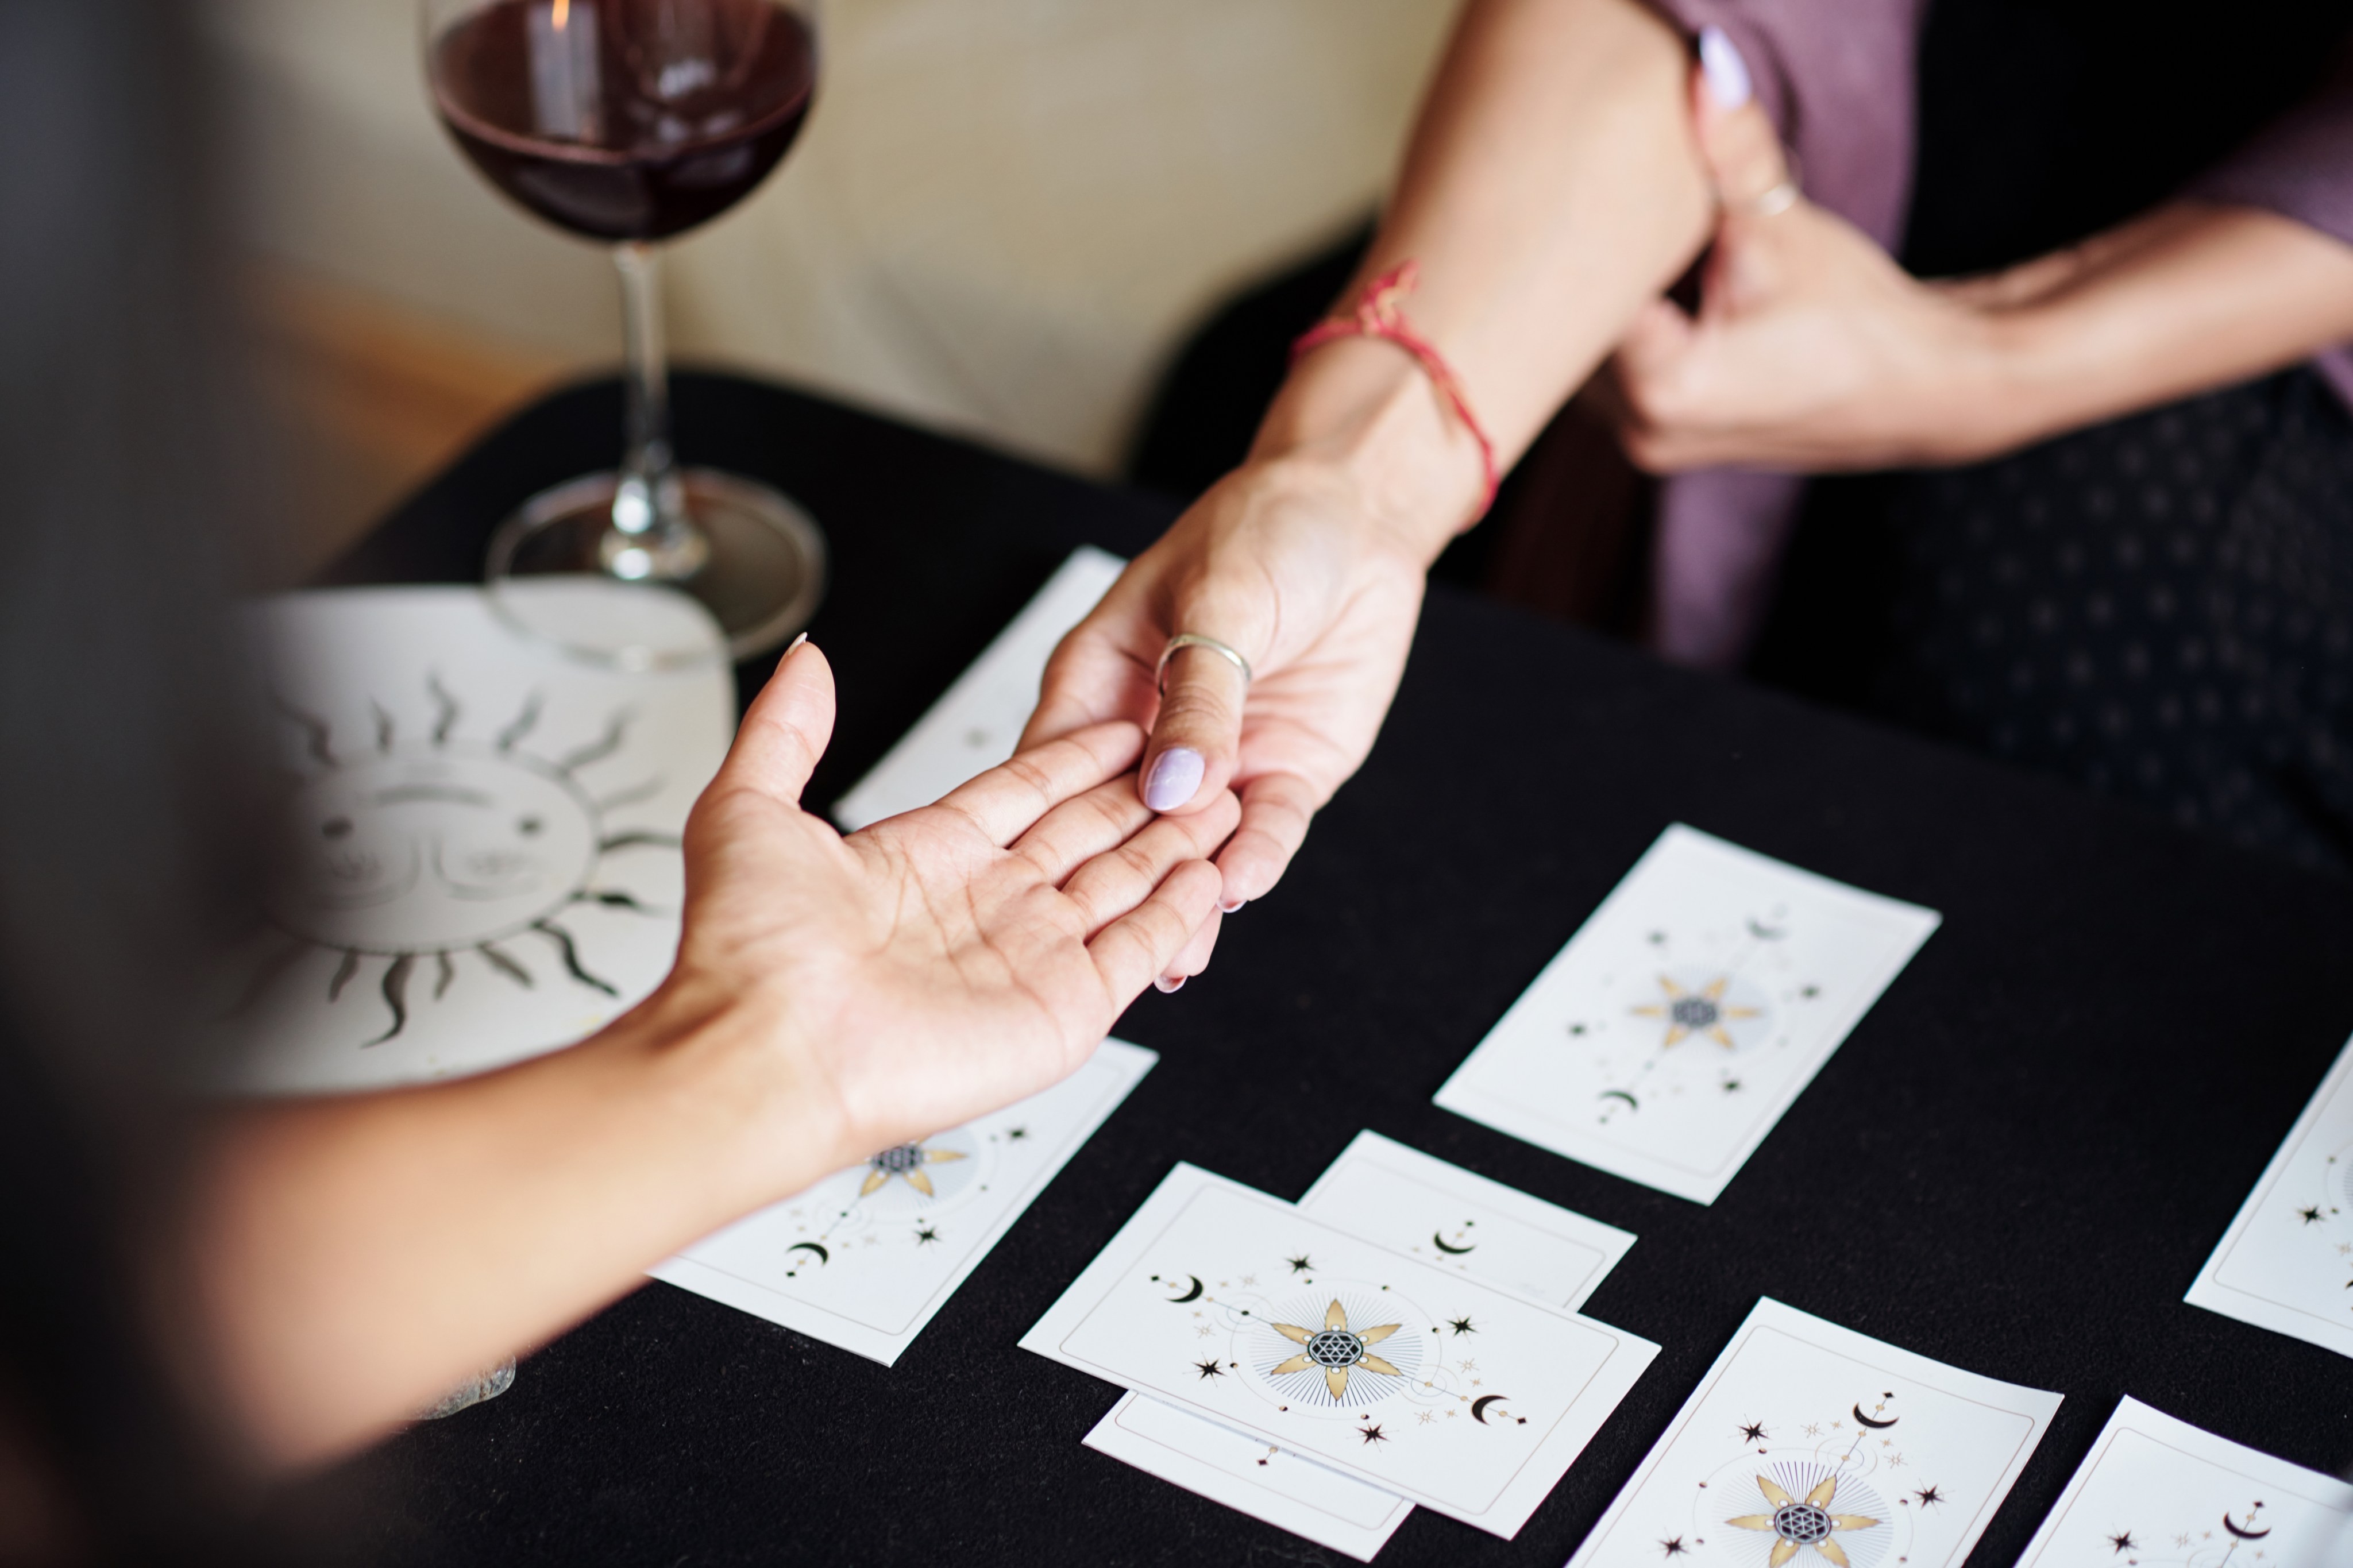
(1377, 315)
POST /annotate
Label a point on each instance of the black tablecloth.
(2016, 1163)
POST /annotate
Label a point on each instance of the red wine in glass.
(594, 117)
(629, 121)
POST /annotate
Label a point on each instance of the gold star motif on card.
(1337, 1349)
(906, 1161)
(1699, 1011)
(1804, 1524)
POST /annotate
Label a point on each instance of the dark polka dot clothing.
(2160, 607)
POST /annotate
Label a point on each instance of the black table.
(2016, 1163)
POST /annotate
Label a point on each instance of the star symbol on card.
(1808, 1523)
(1427, 1416)
(1204, 1332)
(1812, 1429)
(924, 1234)
(1461, 1325)
(1248, 1280)
(1337, 1349)
(1674, 1546)
(1929, 1496)
(2310, 1216)
(906, 1161)
(2123, 1541)
(1701, 1011)
(1015, 1134)
(1752, 1432)
(1210, 1368)
(1373, 1434)
(1301, 1264)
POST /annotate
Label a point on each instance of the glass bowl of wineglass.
(624, 123)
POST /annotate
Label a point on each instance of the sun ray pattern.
(1701, 1011)
(1808, 1525)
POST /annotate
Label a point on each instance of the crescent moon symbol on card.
(1192, 1295)
(1479, 1405)
(1765, 932)
(1867, 1421)
(1439, 1241)
(822, 1255)
(1631, 1103)
(2243, 1534)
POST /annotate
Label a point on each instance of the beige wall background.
(1001, 220)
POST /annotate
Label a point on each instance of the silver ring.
(1184, 640)
(1780, 199)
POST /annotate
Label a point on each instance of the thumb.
(1197, 740)
(1738, 144)
(785, 732)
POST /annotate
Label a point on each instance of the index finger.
(1006, 800)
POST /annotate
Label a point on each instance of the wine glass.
(627, 121)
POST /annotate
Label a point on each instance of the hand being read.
(951, 960)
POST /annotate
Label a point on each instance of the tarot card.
(1807, 1443)
(483, 855)
(1687, 1014)
(2160, 1493)
(1410, 1203)
(864, 1259)
(1250, 1475)
(973, 725)
(1384, 1191)
(1243, 1310)
(2286, 1262)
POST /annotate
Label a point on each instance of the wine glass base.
(761, 580)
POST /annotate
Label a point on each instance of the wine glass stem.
(653, 537)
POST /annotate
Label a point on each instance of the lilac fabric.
(1838, 81)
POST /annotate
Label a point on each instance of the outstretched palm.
(951, 959)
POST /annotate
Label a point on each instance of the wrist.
(727, 1067)
(1363, 414)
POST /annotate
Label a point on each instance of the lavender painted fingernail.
(1726, 73)
(1168, 987)
(1174, 776)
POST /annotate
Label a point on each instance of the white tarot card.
(1809, 1446)
(1240, 1309)
(2286, 1262)
(1250, 1475)
(2160, 1493)
(1412, 1203)
(483, 861)
(866, 1257)
(1686, 1015)
(1384, 1191)
(973, 725)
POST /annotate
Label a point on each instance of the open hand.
(949, 960)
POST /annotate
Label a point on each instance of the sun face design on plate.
(906, 1163)
(407, 849)
(1722, 1008)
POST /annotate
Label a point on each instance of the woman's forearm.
(1552, 188)
(2184, 300)
(355, 1258)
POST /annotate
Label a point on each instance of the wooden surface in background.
(373, 397)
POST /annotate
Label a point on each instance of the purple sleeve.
(1839, 81)
(2300, 165)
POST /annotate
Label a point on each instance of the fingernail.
(1168, 987)
(794, 646)
(1175, 775)
(1726, 73)
(1229, 908)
